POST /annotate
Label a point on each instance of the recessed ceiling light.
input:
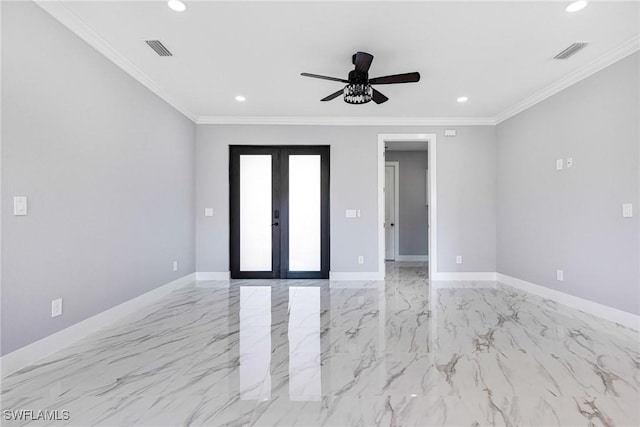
(577, 5)
(177, 5)
(240, 98)
(463, 99)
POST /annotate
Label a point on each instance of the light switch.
(559, 164)
(208, 211)
(351, 213)
(627, 210)
(56, 307)
(20, 205)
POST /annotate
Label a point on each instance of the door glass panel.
(255, 342)
(255, 213)
(305, 380)
(304, 213)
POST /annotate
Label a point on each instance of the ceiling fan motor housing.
(358, 77)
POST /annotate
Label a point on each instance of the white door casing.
(431, 139)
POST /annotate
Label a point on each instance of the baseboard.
(31, 353)
(422, 258)
(609, 313)
(213, 275)
(356, 275)
(480, 276)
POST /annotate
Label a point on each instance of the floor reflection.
(305, 378)
(255, 342)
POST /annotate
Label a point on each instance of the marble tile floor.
(403, 352)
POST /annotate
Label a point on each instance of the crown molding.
(609, 58)
(76, 25)
(70, 20)
(346, 121)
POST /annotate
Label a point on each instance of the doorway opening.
(279, 212)
(407, 189)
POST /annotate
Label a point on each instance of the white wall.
(572, 219)
(108, 168)
(466, 181)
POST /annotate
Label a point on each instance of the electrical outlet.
(459, 259)
(175, 265)
(56, 307)
(360, 259)
(560, 275)
(627, 210)
(208, 211)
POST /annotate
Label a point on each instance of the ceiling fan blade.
(362, 61)
(318, 76)
(379, 98)
(332, 96)
(396, 78)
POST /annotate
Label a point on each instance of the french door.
(279, 212)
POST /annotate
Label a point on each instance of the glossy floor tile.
(403, 352)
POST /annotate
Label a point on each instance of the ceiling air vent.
(158, 47)
(571, 50)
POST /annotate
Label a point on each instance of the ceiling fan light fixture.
(356, 93)
(177, 5)
(359, 88)
(577, 5)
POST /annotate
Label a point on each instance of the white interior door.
(389, 212)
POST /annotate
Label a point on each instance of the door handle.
(276, 223)
(392, 224)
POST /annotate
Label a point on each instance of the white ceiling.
(496, 53)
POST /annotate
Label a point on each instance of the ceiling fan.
(358, 89)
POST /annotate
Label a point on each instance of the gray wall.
(109, 171)
(411, 201)
(466, 191)
(572, 219)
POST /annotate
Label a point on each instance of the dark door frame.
(280, 211)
